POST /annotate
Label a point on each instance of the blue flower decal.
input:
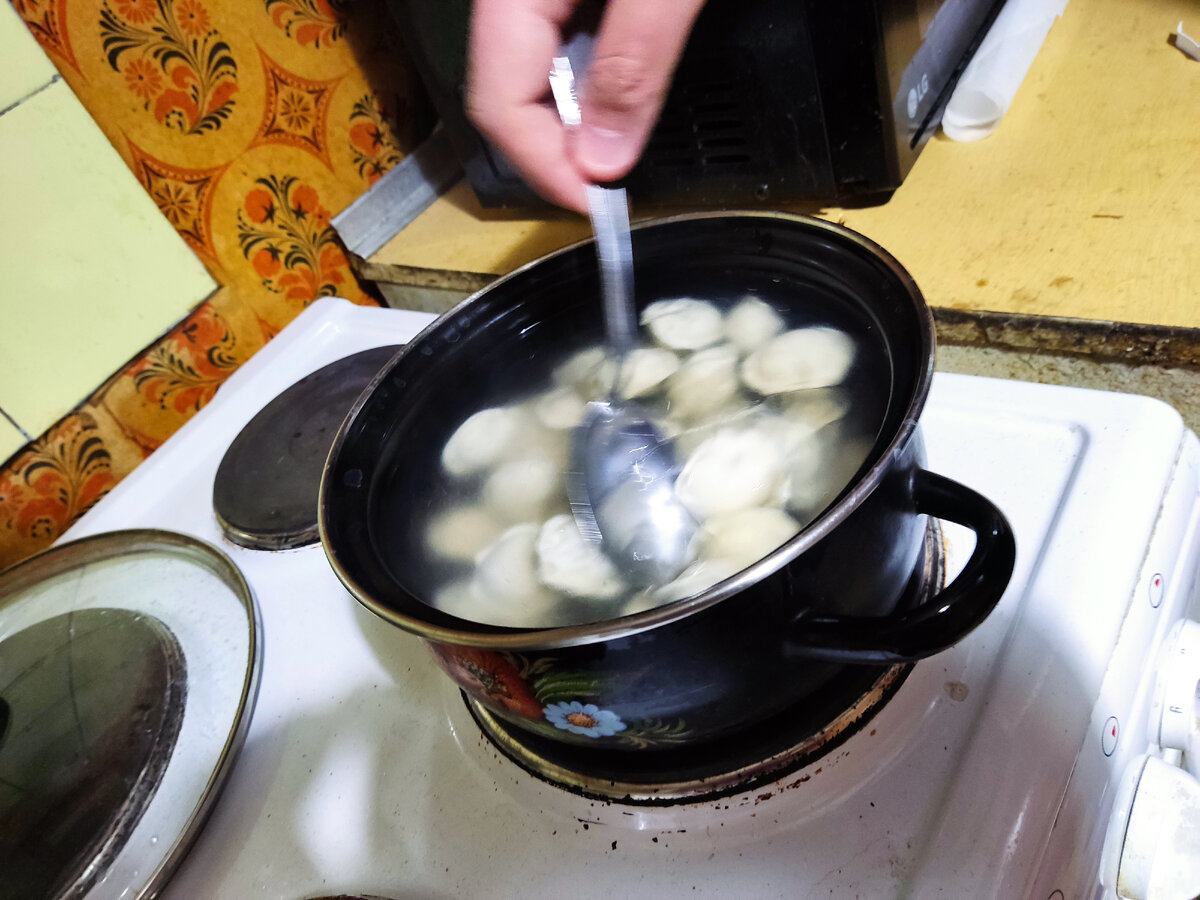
(584, 718)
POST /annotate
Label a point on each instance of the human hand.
(512, 43)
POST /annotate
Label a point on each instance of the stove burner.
(265, 492)
(94, 702)
(782, 744)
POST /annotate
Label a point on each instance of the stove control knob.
(1175, 712)
(1152, 848)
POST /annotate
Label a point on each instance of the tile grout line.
(13, 422)
(57, 77)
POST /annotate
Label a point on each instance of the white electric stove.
(993, 771)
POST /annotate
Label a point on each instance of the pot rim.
(504, 638)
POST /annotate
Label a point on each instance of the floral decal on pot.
(173, 58)
(584, 718)
(550, 700)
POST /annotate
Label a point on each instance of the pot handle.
(943, 619)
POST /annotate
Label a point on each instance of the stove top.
(990, 772)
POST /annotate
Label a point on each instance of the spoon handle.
(609, 211)
(610, 221)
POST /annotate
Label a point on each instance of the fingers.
(511, 45)
(634, 58)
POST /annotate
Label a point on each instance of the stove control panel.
(1152, 847)
(1153, 844)
(1147, 672)
(1175, 715)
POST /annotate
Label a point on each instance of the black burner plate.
(265, 492)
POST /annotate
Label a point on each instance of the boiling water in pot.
(771, 413)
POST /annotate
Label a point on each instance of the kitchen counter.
(1085, 202)
(1068, 241)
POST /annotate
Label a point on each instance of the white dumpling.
(570, 564)
(644, 370)
(737, 413)
(799, 360)
(699, 576)
(751, 324)
(736, 468)
(460, 533)
(746, 536)
(523, 490)
(560, 409)
(506, 569)
(468, 600)
(591, 373)
(817, 408)
(704, 385)
(579, 368)
(483, 439)
(684, 324)
(813, 481)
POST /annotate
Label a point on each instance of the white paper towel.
(990, 81)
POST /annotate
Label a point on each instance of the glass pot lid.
(129, 664)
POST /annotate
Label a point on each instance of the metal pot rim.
(514, 639)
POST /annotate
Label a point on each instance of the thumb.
(634, 57)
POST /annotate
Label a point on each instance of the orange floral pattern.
(373, 144)
(195, 69)
(309, 22)
(185, 370)
(47, 22)
(184, 196)
(296, 111)
(58, 479)
(284, 232)
(172, 89)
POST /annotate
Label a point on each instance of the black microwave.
(773, 100)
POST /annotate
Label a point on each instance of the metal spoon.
(622, 483)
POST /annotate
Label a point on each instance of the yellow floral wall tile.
(248, 123)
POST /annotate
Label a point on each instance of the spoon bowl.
(622, 492)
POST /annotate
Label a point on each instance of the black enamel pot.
(839, 594)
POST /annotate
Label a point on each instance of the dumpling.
(699, 576)
(560, 409)
(506, 568)
(460, 533)
(817, 408)
(705, 384)
(579, 368)
(746, 536)
(799, 360)
(570, 564)
(751, 324)
(736, 468)
(483, 439)
(684, 324)
(814, 480)
(644, 370)
(468, 600)
(523, 490)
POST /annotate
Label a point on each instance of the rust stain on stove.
(957, 691)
